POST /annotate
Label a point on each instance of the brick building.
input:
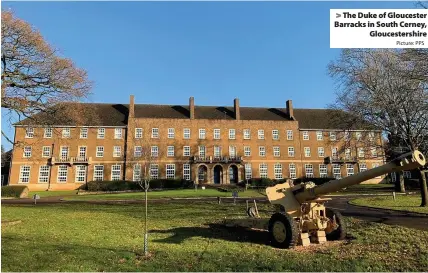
(207, 144)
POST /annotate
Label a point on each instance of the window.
(154, 171)
(100, 151)
(307, 151)
(66, 133)
(44, 174)
(289, 134)
(24, 174)
(83, 132)
(371, 136)
(261, 134)
(321, 152)
(202, 151)
(186, 172)
(360, 152)
(217, 151)
(48, 133)
(276, 151)
(374, 152)
(232, 152)
(363, 167)
(350, 169)
(232, 133)
(277, 171)
(217, 133)
(348, 153)
(292, 168)
(170, 151)
(186, 133)
(323, 170)
(248, 171)
(309, 170)
(201, 133)
(62, 173)
(334, 153)
(186, 151)
(333, 136)
(347, 136)
(275, 134)
(117, 133)
(170, 171)
(247, 151)
(155, 132)
(138, 132)
(319, 135)
(138, 151)
(336, 171)
(171, 133)
(63, 153)
(407, 174)
(27, 151)
(262, 151)
(291, 151)
(82, 152)
(263, 169)
(80, 173)
(115, 172)
(247, 134)
(117, 151)
(154, 151)
(136, 174)
(98, 173)
(358, 136)
(305, 135)
(46, 152)
(101, 133)
(29, 132)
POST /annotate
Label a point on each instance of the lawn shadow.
(214, 231)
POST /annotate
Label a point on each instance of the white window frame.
(98, 172)
(407, 174)
(117, 151)
(80, 152)
(136, 172)
(170, 171)
(170, 151)
(321, 152)
(217, 151)
(62, 174)
(260, 134)
(347, 135)
(373, 151)
(262, 151)
(309, 170)
(118, 133)
(186, 150)
(323, 170)
(348, 153)
(186, 172)
(277, 169)
(116, 171)
(66, 133)
(276, 151)
(334, 152)
(363, 166)
(171, 133)
(320, 135)
(289, 134)
(48, 132)
(248, 171)
(101, 133)
(155, 132)
(358, 136)
(350, 171)
(154, 171)
(216, 134)
(337, 171)
(232, 134)
(305, 135)
(275, 134)
(202, 151)
(202, 134)
(247, 151)
(84, 133)
(186, 133)
(247, 133)
(292, 170)
(138, 151)
(291, 152)
(64, 152)
(232, 151)
(263, 170)
(29, 132)
(333, 136)
(80, 174)
(138, 132)
(46, 151)
(44, 172)
(307, 151)
(24, 174)
(154, 151)
(361, 152)
(99, 152)
(27, 152)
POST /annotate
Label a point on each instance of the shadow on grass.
(214, 231)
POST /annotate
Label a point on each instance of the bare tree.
(386, 91)
(37, 84)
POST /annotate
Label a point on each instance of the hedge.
(124, 185)
(14, 191)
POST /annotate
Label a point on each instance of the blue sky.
(164, 52)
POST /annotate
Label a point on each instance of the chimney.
(131, 106)
(236, 108)
(192, 107)
(290, 112)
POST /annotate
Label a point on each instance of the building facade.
(205, 144)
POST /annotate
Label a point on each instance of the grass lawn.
(51, 193)
(402, 202)
(165, 194)
(184, 237)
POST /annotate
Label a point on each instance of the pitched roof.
(103, 114)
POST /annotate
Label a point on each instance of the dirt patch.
(319, 248)
(10, 223)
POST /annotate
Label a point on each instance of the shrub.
(14, 191)
(170, 184)
(317, 180)
(123, 185)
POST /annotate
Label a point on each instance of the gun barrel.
(408, 161)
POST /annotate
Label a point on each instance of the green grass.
(165, 194)
(183, 237)
(51, 193)
(402, 202)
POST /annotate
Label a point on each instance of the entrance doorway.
(218, 174)
(233, 174)
(202, 174)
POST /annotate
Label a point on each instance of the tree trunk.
(399, 182)
(424, 190)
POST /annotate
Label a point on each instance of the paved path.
(340, 203)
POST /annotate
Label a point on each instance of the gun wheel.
(283, 230)
(340, 232)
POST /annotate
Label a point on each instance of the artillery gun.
(302, 216)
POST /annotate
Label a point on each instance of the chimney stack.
(131, 106)
(236, 108)
(192, 107)
(290, 112)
